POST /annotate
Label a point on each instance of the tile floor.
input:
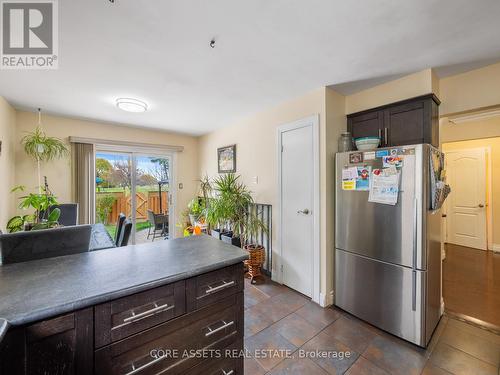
(279, 319)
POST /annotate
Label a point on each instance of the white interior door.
(297, 204)
(466, 216)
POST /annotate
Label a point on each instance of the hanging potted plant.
(42, 148)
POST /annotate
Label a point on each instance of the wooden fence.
(149, 200)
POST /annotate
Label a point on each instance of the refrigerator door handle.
(414, 290)
(415, 245)
(415, 233)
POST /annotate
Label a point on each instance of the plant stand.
(255, 262)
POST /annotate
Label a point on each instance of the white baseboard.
(496, 248)
(326, 300)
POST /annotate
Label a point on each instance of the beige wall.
(59, 172)
(450, 132)
(255, 139)
(335, 124)
(7, 131)
(409, 86)
(476, 134)
(471, 90)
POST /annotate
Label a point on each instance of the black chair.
(157, 223)
(69, 213)
(125, 233)
(119, 226)
(46, 243)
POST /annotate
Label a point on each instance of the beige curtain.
(84, 181)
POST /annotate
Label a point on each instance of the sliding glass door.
(139, 186)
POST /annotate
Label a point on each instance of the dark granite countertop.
(43, 288)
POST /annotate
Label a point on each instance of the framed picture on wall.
(226, 159)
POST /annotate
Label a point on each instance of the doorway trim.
(489, 195)
(277, 276)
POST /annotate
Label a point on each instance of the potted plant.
(41, 204)
(196, 208)
(252, 228)
(42, 148)
(205, 188)
(216, 217)
(228, 208)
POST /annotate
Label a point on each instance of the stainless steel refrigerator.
(388, 256)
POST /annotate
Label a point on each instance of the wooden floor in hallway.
(471, 283)
(310, 340)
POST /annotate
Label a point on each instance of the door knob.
(480, 205)
(305, 211)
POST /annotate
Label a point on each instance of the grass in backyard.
(111, 228)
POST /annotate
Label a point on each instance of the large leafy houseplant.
(231, 208)
(230, 201)
(40, 203)
(42, 148)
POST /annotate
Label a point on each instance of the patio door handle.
(305, 211)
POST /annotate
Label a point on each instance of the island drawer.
(231, 362)
(126, 316)
(165, 348)
(210, 287)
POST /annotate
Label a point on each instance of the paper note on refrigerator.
(384, 187)
(349, 175)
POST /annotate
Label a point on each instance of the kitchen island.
(131, 310)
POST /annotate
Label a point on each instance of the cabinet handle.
(223, 286)
(136, 370)
(380, 134)
(223, 326)
(231, 372)
(385, 136)
(148, 313)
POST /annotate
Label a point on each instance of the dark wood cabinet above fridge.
(409, 121)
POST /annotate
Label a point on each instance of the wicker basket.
(257, 256)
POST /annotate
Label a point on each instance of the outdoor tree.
(146, 180)
(103, 170)
(121, 174)
(161, 170)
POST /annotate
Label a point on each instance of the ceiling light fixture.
(131, 105)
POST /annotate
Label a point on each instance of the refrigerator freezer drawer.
(385, 295)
